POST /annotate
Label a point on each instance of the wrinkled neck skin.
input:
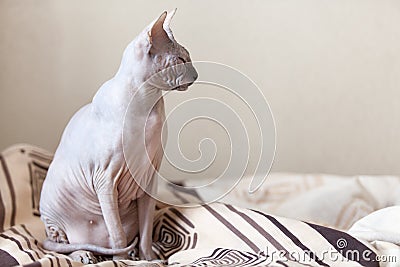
(128, 87)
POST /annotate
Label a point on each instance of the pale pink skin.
(89, 193)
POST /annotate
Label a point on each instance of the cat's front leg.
(146, 208)
(109, 207)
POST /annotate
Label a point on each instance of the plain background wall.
(329, 69)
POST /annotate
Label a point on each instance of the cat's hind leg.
(56, 234)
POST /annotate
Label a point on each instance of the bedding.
(293, 220)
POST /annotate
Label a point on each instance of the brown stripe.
(51, 262)
(40, 156)
(35, 242)
(69, 262)
(282, 263)
(292, 237)
(232, 228)
(187, 241)
(18, 244)
(11, 188)
(216, 254)
(166, 222)
(32, 186)
(182, 217)
(53, 258)
(333, 236)
(40, 165)
(259, 229)
(28, 243)
(194, 240)
(2, 214)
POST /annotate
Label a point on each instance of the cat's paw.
(147, 255)
(133, 255)
(86, 257)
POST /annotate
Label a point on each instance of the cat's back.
(77, 134)
(78, 162)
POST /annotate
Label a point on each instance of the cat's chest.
(143, 160)
(153, 131)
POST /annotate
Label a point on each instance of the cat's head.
(158, 56)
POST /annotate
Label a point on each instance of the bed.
(293, 220)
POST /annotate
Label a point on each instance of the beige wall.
(330, 69)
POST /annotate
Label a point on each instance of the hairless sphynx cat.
(96, 198)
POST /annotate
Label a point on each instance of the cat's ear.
(167, 22)
(158, 38)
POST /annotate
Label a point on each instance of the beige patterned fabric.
(241, 233)
(336, 201)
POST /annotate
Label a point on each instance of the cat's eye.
(181, 59)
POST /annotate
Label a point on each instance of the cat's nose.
(195, 75)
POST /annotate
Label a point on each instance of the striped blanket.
(209, 235)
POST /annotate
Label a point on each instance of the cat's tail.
(69, 248)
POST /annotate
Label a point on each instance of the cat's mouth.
(182, 87)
